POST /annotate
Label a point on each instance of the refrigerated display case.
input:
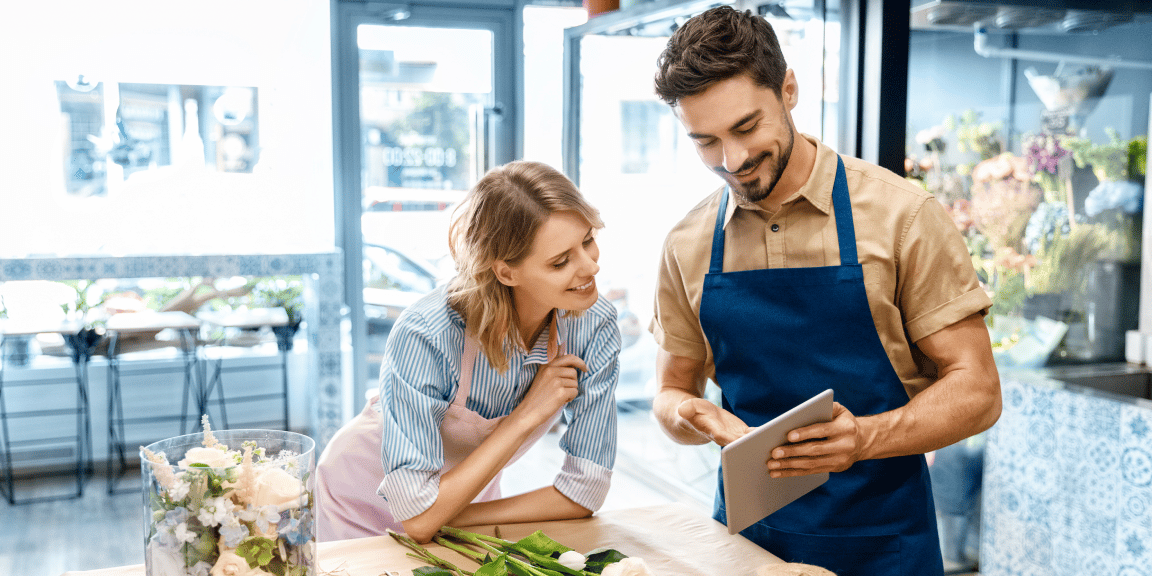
(1029, 121)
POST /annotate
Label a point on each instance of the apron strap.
(467, 361)
(716, 264)
(841, 206)
(471, 347)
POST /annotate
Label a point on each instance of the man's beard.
(754, 192)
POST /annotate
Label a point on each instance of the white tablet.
(750, 494)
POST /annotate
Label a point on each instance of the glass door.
(634, 162)
(426, 105)
(433, 110)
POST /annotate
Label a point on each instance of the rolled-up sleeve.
(589, 443)
(415, 392)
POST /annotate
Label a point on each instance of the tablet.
(750, 494)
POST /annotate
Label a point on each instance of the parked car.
(412, 220)
(393, 280)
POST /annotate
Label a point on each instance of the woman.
(476, 372)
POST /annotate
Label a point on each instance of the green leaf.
(497, 567)
(540, 543)
(432, 571)
(548, 564)
(257, 550)
(601, 557)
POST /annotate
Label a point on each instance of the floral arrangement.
(534, 555)
(228, 512)
(1003, 198)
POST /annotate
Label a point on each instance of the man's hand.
(826, 447)
(719, 425)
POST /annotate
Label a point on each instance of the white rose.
(276, 487)
(232, 564)
(164, 560)
(572, 559)
(210, 457)
(627, 567)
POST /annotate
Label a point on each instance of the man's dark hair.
(716, 45)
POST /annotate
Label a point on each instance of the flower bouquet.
(534, 555)
(229, 503)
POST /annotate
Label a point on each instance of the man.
(810, 271)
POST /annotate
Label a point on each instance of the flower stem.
(424, 555)
(463, 550)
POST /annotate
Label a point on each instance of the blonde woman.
(476, 372)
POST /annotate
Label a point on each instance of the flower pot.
(240, 503)
(284, 336)
(596, 7)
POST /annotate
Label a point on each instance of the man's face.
(743, 132)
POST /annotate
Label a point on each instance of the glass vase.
(229, 503)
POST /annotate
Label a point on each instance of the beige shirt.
(917, 271)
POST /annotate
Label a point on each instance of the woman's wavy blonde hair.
(498, 220)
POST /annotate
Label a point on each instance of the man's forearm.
(959, 405)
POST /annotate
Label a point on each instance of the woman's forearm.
(460, 485)
(539, 505)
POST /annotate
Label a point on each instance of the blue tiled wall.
(1067, 484)
(322, 271)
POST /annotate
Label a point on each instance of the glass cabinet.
(1029, 121)
(1031, 125)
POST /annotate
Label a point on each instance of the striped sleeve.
(415, 391)
(589, 442)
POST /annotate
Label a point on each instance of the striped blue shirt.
(421, 373)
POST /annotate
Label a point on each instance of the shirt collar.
(817, 190)
(539, 352)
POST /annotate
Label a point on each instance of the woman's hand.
(555, 385)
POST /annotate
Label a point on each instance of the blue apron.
(780, 336)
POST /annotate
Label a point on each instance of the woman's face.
(560, 270)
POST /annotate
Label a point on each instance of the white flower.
(627, 567)
(179, 490)
(929, 134)
(216, 457)
(573, 559)
(232, 564)
(268, 515)
(164, 561)
(182, 533)
(214, 511)
(275, 487)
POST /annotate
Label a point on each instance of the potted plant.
(83, 342)
(286, 293)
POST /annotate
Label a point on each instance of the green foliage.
(257, 550)
(286, 293)
(1138, 157)
(600, 558)
(975, 136)
(86, 291)
(1109, 161)
(1061, 262)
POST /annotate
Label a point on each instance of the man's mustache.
(748, 165)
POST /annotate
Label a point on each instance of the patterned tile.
(1068, 483)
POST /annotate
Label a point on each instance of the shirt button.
(775, 227)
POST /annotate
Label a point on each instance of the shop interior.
(222, 208)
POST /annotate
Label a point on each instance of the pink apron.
(348, 505)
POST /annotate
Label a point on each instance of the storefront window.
(174, 129)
